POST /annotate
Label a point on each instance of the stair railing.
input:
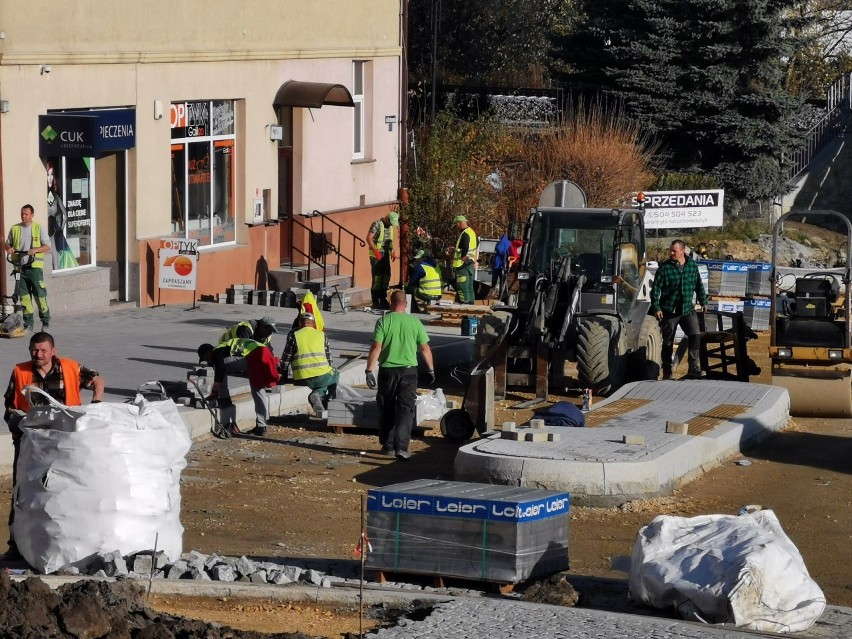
(343, 234)
(830, 126)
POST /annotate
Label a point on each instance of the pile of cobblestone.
(197, 566)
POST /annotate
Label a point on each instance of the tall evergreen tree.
(705, 76)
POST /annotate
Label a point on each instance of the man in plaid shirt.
(676, 282)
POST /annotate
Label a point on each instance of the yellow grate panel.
(708, 420)
(620, 406)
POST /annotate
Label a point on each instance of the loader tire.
(600, 361)
(650, 349)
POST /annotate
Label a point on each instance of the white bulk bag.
(742, 570)
(99, 478)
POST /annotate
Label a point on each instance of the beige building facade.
(216, 121)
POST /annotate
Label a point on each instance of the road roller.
(810, 346)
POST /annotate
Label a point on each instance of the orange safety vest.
(23, 375)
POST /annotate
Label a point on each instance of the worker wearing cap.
(424, 283)
(464, 261)
(308, 354)
(382, 246)
(258, 330)
(242, 355)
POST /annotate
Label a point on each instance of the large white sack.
(99, 478)
(742, 570)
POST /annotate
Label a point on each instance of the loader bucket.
(816, 393)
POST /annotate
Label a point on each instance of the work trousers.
(258, 395)
(464, 283)
(668, 327)
(396, 397)
(29, 286)
(381, 270)
(325, 385)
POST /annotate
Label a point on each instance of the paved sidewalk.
(130, 346)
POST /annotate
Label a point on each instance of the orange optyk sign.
(178, 259)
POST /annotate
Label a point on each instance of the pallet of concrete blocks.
(759, 279)
(711, 322)
(727, 278)
(756, 313)
(240, 294)
(483, 532)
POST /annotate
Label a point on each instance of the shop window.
(70, 212)
(203, 171)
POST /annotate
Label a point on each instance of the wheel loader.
(581, 297)
(810, 348)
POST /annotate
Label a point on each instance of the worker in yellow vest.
(424, 283)
(308, 355)
(381, 242)
(464, 261)
(242, 355)
(27, 243)
(259, 330)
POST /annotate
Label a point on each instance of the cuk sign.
(86, 134)
(683, 209)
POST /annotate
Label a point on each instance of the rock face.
(98, 609)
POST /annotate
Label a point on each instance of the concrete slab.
(598, 468)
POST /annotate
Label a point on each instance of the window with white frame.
(203, 170)
(358, 82)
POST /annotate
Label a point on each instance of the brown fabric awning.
(312, 95)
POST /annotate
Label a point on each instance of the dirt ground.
(297, 494)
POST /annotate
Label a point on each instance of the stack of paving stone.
(359, 409)
(247, 294)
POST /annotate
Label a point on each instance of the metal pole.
(363, 542)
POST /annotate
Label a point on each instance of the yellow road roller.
(810, 346)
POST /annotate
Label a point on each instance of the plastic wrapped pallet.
(759, 281)
(726, 306)
(727, 278)
(756, 313)
(503, 534)
(99, 478)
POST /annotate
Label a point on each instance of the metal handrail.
(838, 100)
(334, 247)
(823, 132)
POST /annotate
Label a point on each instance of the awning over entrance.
(312, 95)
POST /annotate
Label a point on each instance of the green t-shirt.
(400, 335)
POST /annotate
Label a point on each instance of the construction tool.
(216, 427)
(11, 323)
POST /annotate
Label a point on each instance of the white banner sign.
(178, 263)
(683, 209)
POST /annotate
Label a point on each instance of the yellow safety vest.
(379, 238)
(309, 360)
(430, 284)
(231, 333)
(38, 258)
(241, 346)
(471, 248)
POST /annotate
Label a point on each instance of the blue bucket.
(469, 326)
